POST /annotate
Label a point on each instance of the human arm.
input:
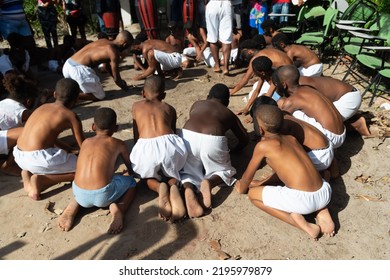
(77, 129)
(243, 184)
(125, 155)
(254, 95)
(114, 66)
(205, 44)
(152, 66)
(135, 129)
(239, 132)
(244, 80)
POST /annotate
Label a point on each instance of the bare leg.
(164, 205)
(178, 208)
(193, 207)
(206, 187)
(118, 211)
(255, 196)
(87, 96)
(325, 222)
(334, 169)
(312, 229)
(360, 125)
(39, 183)
(226, 49)
(215, 53)
(65, 221)
(26, 177)
(9, 167)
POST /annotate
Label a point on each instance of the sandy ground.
(360, 201)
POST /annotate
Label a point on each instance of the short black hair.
(279, 39)
(105, 118)
(261, 63)
(67, 90)
(288, 73)
(259, 41)
(271, 116)
(221, 92)
(261, 100)
(249, 44)
(154, 85)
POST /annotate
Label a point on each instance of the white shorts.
(322, 158)
(296, 201)
(348, 104)
(219, 21)
(85, 76)
(48, 161)
(208, 155)
(3, 142)
(165, 153)
(311, 71)
(264, 89)
(336, 139)
(168, 61)
(207, 56)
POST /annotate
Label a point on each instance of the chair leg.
(373, 81)
(375, 89)
(350, 69)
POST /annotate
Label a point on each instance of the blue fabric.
(103, 197)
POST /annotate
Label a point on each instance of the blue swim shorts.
(105, 196)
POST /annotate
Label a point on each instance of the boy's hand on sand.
(138, 77)
(244, 112)
(123, 85)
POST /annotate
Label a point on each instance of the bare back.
(210, 117)
(306, 134)
(317, 106)
(45, 124)
(96, 161)
(153, 118)
(97, 52)
(303, 55)
(290, 162)
(332, 88)
(277, 57)
(156, 44)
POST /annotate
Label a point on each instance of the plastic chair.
(319, 39)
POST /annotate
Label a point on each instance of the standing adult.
(47, 15)
(112, 18)
(280, 7)
(75, 17)
(219, 21)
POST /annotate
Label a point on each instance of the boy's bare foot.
(205, 190)
(325, 222)
(26, 178)
(312, 229)
(360, 126)
(34, 192)
(193, 207)
(226, 72)
(116, 225)
(165, 208)
(178, 208)
(65, 221)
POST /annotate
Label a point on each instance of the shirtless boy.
(252, 50)
(158, 150)
(317, 146)
(307, 104)
(79, 66)
(346, 98)
(296, 188)
(305, 59)
(95, 182)
(208, 162)
(38, 151)
(270, 30)
(161, 57)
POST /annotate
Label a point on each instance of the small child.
(17, 108)
(38, 151)
(158, 150)
(208, 162)
(305, 59)
(95, 182)
(304, 190)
